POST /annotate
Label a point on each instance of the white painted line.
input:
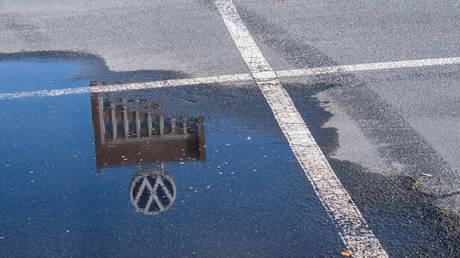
(173, 83)
(237, 77)
(353, 230)
(130, 86)
(44, 93)
(370, 67)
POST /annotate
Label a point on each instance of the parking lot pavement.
(146, 35)
(408, 117)
(298, 34)
(389, 136)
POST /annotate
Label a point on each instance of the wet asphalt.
(246, 190)
(232, 187)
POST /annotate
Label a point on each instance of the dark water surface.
(226, 185)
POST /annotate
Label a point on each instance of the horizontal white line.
(130, 86)
(353, 229)
(370, 67)
(236, 77)
(173, 83)
(44, 93)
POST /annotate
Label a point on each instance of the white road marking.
(353, 230)
(130, 86)
(370, 67)
(237, 77)
(173, 83)
(44, 93)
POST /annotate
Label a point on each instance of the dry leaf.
(416, 186)
(346, 253)
(445, 213)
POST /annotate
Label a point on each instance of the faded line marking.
(370, 67)
(353, 230)
(130, 86)
(173, 83)
(44, 93)
(237, 77)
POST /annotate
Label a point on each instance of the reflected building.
(133, 131)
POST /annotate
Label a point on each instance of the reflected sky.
(232, 185)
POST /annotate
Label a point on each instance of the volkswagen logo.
(152, 191)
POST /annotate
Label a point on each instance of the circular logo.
(152, 192)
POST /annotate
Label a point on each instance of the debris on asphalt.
(416, 186)
(346, 253)
(443, 212)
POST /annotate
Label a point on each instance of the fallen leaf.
(346, 253)
(443, 212)
(416, 185)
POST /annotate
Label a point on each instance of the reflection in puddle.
(131, 131)
(152, 190)
(250, 197)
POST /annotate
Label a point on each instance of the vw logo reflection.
(152, 190)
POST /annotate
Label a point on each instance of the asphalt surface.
(419, 105)
(383, 132)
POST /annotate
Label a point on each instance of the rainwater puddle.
(189, 171)
(32, 75)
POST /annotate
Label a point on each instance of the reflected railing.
(132, 131)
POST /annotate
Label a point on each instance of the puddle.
(31, 76)
(189, 171)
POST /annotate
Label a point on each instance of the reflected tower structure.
(132, 131)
